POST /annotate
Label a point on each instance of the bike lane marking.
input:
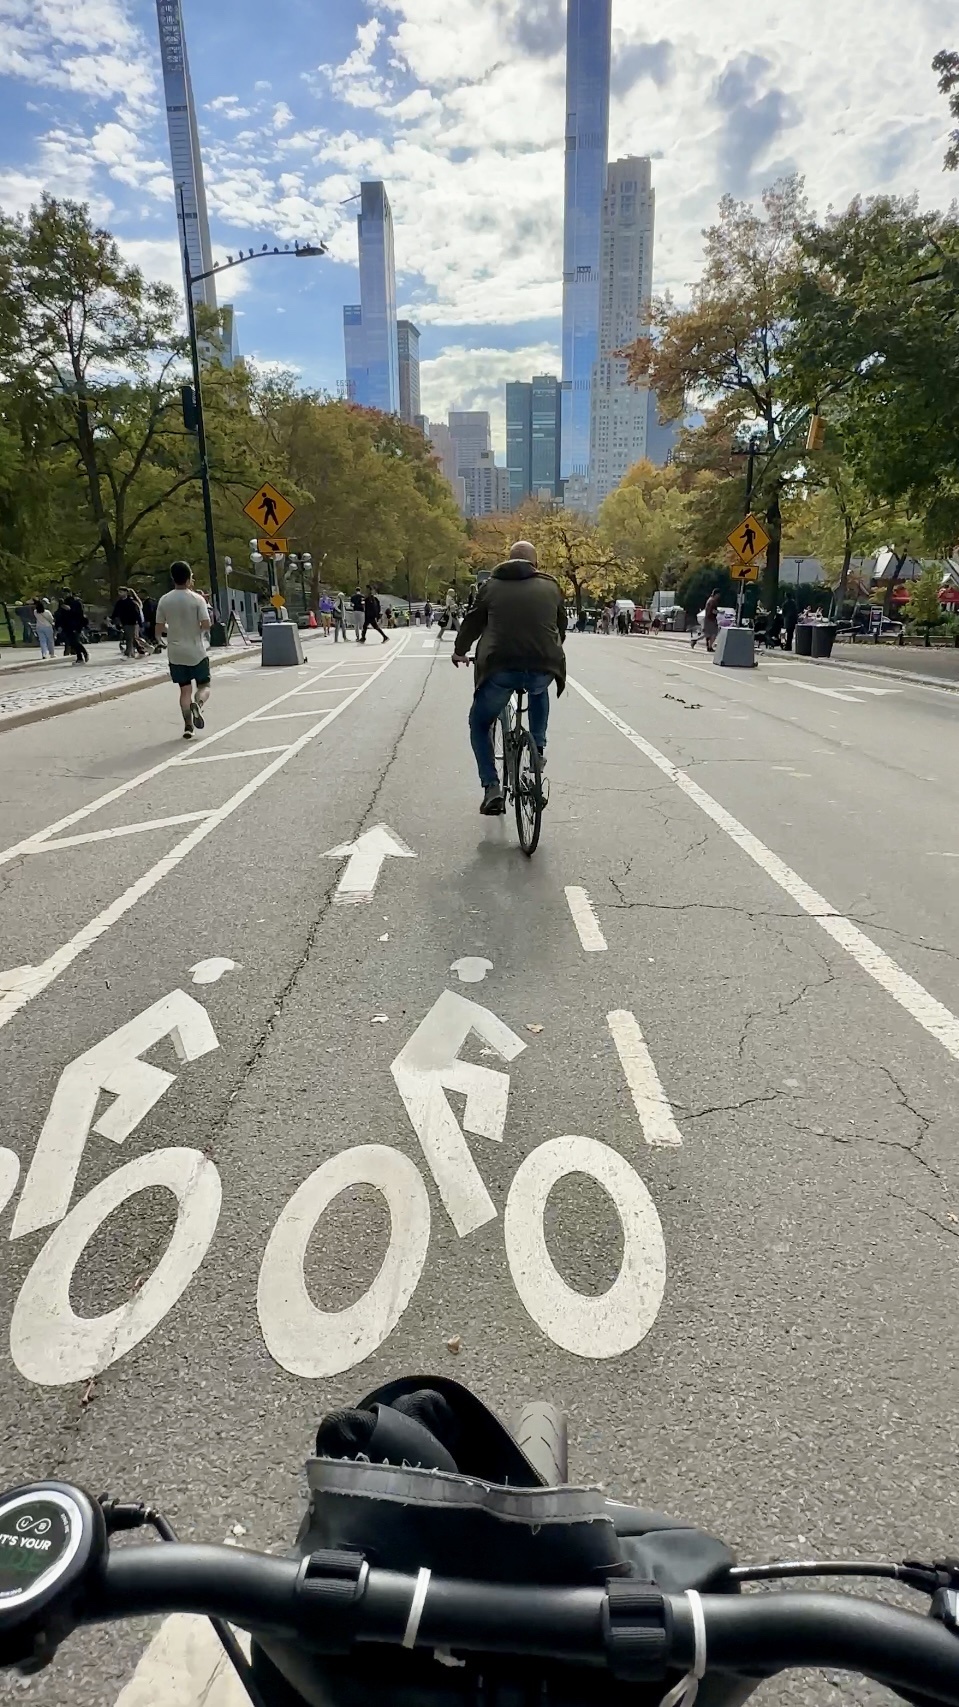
(118, 830)
(585, 920)
(645, 1085)
(924, 1008)
(40, 977)
(30, 842)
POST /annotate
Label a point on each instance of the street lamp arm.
(305, 252)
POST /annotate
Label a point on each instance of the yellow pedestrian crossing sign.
(749, 541)
(269, 509)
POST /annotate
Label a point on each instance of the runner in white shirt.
(183, 616)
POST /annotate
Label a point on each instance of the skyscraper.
(519, 441)
(408, 344)
(619, 410)
(588, 56)
(369, 330)
(487, 486)
(193, 222)
(546, 424)
(470, 432)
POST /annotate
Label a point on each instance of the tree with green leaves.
(99, 358)
(924, 608)
(724, 352)
(947, 66)
(644, 523)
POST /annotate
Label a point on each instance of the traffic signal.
(188, 399)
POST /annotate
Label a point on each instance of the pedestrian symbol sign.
(749, 540)
(269, 509)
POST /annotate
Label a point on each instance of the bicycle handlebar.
(337, 1600)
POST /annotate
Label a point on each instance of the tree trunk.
(887, 599)
(770, 582)
(839, 596)
(315, 590)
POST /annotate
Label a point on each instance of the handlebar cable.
(684, 1693)
(119, 1516)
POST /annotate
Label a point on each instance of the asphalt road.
(762, 1065)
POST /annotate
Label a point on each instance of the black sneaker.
(197, 715)
(188, 734)
(493, 803)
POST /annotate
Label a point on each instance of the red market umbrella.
(949, 596)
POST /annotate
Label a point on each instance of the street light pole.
(200, 424)
(303, 251)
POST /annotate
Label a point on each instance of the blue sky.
(458, 105)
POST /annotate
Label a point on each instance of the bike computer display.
(50, 1536)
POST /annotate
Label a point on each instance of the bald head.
(524, 551)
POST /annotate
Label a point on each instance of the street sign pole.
(201, 432)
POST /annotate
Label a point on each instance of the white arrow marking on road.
(17, 978)
(366, 856)
(860, 689)
(9, 1174)
(808, 687)
(114, 1066)
(427, 1067)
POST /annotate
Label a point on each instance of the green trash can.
(823, 635)
(804, 634)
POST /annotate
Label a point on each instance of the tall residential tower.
(619, 411)
(370, 334)
(193, 223)
(588, 56)
(409, 357)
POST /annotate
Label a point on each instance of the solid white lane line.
(244, 753)
(119, 830)
(107, 799)
(585, 920)
(809, 687)
(645, 1086)
(925, 1009)
(68, 952)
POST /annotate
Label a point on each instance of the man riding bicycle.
(519, 621)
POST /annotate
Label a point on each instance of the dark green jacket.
(519, 622)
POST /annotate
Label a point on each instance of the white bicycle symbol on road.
(52, 1346)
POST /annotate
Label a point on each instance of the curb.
(950, 686)
(79, 701)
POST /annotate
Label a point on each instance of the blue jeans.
(488, 702)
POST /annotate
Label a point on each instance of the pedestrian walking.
(357, 604)
(184, 617)
(25, 612)
(74, 623)
(790, 618)
(711, 620)
(45, 627)
(428, 614)
(127, 613)
(339, 618)
(450, 617)
(326, 613)
(150, 623)
(372, 610)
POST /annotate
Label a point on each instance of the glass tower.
(409, 357)
(620, 410)
(519, 441)
(372, 348)
(545, 421)
(588, 55)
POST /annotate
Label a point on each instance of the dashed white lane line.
(585, 920)
(244, 753)
(119, 830)
(179, 758)
(925, 1009)
(64, 956)
(283, 716)
(645, 1086)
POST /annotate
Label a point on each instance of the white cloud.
(282, 116)
(475, 378)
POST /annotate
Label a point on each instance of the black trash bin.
(804, 634)
(823, 635)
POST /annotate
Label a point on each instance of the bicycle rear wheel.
(502, 736)
(529, 794)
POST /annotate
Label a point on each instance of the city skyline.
(618, 425)
(375, 92)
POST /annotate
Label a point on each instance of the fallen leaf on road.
(380, 1019)
(385, 937)
(535, 1028)
(951, 1217)
(238, 1529)
(454, 1344)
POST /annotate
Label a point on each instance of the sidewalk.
(937, 666)
(52, 689)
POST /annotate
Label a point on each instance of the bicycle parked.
(444, 1561)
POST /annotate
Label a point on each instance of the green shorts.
(199, 673)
